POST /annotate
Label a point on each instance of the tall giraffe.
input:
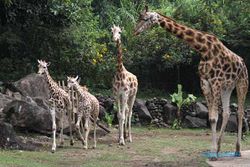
(88, 106)
(59, 100)
(125, 87)
(220, 71)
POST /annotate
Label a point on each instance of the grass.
(154, 147)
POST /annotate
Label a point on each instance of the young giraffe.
(88, 106)
(124, 89)
(59, 100)
(220, 71)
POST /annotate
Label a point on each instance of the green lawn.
(154, 147)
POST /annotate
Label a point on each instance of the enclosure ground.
(242, 161)
(150, 147)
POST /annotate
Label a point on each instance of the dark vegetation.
(74, 35)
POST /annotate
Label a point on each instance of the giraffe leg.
(53, 115)
(70, 111)
(121, 118)
(130, 103)
(86, 135)
(213, 112)
(79, 119)
(241, 88)
(95, 119)
(118, 102)
(213, 118)
(126, 122)
(61, 111)
(225, 98)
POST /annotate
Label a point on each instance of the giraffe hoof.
(53, 151)
(237, 154)
(85, 147)
(72, 142)
(213, 159)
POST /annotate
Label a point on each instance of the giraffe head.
(116, 32)
(146, 20)
(71, 81)
(42, 66)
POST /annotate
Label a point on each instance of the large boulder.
(169, 113)
(33, 85)
(29, 116)
(201, 110)
(9, 140)
(141, 110)
(194, 122)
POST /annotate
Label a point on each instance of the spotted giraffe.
(59, 101)
(125, 87)
(88, 106)
(220, 71)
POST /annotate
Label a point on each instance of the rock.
(194, 122)
(232, 125)
(29, 116)
(33, 85)
(4, 99)
(9, 140)
(201, 110)
(169, 113)
(142, 111)
(102, 112)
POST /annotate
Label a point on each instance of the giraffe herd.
(220, 70)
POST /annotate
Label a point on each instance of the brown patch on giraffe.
(122, 84)
(204, 49)
(182, 28)
(180, 35)
(200, 38)
(226, 67)
(209, 38)
(163, 24)
(170, 27)
(189, 32)
(131, 85)
(175, 30)
(228, 76)
(197, 46)
(176, 25)
(190, 40)
(215, 50)
(209, 45)
(234, 68)
(212, 73)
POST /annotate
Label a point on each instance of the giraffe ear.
(39, 61)
(48, 64)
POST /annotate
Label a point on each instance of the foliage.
(179, 100)
(109, 119)
(74, 35)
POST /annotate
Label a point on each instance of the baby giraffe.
(59, 100)
(125, 86)
(88, 106)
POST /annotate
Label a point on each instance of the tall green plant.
(179, 100)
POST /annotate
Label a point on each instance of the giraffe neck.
(78, 88)
(120, 66)
(52, 84)
(200, 41)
